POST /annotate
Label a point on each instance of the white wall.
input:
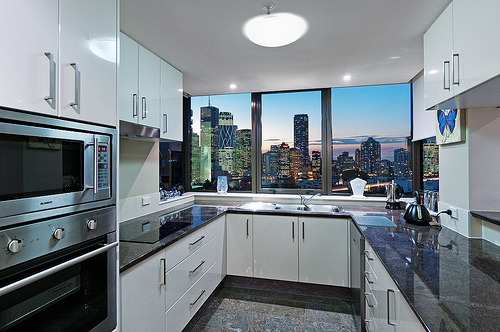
(424, 122)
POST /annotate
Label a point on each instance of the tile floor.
(237, 308)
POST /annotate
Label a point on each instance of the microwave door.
(100, 167)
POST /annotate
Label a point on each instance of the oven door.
(46, 168)
(70, 291)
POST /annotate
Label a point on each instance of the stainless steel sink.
(261, 206)
(256, 206)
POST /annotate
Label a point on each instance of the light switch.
(146, 200)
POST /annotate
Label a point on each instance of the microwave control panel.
(103, 167)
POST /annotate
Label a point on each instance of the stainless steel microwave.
(50, 166)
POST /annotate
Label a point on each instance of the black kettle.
(416, 213)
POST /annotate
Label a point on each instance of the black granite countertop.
(452, 282)
(491, 216)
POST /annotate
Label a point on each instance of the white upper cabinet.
(149, 88)
(171, 103)
(28, 61)
(438, 51)
(128, 73)
(476, 43)
(88, 60)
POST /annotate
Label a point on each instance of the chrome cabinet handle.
(143, 107)
(76, 103)
(370, 277)
(195, 242)
(303, 231)
(445, 65)
(248, 233)
(51, 98)
(293, 230)
(196, 268)
(456, 69)
(134, 105)
(370, 299)
(392, 321)
(45, 273)
(199, 296)
(368, 255)
(163, 263)
(165, 123)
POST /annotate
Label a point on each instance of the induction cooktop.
(154, 235)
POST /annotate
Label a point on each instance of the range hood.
(139, 132)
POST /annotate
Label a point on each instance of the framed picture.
(450, 126)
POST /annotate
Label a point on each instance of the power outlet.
(146, 200)
(454, 213)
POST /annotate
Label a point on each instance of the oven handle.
(35, 277)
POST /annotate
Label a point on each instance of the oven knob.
(91, 224)
(14, 246)
(58, 234)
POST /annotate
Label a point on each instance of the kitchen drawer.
(187, 272)
(184, 309)
(191, 243)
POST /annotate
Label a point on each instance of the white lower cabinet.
(323, 253)
(239, 245)
(385, 307)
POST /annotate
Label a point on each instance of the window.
(371, 137)
(291, 148)
(171, 165)
(430, 164)
(221, 141)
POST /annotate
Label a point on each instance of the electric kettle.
(394, 192)
(417, 213)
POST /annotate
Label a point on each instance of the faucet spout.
(304, 201)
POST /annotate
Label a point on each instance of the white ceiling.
(375, 41)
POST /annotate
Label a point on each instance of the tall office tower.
(209, 139)
(357, 159)
(301, 138)
(243, 152)
(195, 158)
(431, 158)
(283, 170)
(386, 167)
(296, 163)
(316, 161)
(270, 162)
(345, 162)
(370, 156)
(402, 163)
(227, 141)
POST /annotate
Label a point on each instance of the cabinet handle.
(445, 65)
(196, 268)
(391, 320)
(134, 105)
(293, 230)
(76, 103)
(303, 231)
(51, 98)
(163, 264)
(248, 233)
(370, 277)
(143, 108)
(165, 123)
(368, 255)
(370, 299)
(195, 242)
(199, 296)
(456, 68)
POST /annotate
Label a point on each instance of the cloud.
(273, 140)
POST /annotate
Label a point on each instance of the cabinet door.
(128, 74)
(171, 103)
(438, 50)
(275, 247)
(323, 254)
(149, 88)
(88, 61)
(476, 44)
(143, 295)
(239, 244)
(26, 78)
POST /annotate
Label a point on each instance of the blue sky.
(381, 111)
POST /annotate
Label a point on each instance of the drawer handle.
(199, 296)
(368, 255)
(195, 242)
(391, 308)
(163, 263)
(370, 277)
(370, 298)
(196, 268)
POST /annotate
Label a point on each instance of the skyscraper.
(195, 158)
(370, 156)
(402, 163)
(316, 164)
(283, 161)
(209, 139)
(431, 158)
(227, 141)
(270, 162)
(243, 152)
(345, 162)
(357, 159)
(296, 162)
(301, 137)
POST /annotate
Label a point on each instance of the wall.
(138, 177)
(424, 122)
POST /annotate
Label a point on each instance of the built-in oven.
(54, 165)
(59, 274)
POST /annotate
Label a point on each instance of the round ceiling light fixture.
(274, 29)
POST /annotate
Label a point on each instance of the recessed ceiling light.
(232, 86)
(432, 72)
(395, 57)
(347, 78)
(274, 30)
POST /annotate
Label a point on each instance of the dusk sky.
(382, 112)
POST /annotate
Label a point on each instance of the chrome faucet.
(304, 201)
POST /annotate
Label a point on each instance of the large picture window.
(430, 165)
(221, 141)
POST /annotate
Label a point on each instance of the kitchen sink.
(256, 206)
(311, 208)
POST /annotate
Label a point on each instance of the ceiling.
(374, 41)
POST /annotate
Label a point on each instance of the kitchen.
(102, 100)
